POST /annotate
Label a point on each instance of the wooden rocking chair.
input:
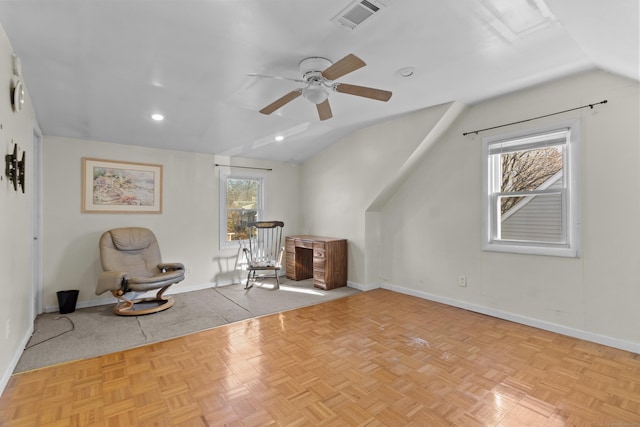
(265, 251)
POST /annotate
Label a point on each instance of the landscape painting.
(121, 187)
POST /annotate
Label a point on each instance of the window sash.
(498, 219)
(549, 139)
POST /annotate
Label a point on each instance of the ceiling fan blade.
(367, 92)
(280, 102)
(266, 76)
(344, 66)
(324, 110)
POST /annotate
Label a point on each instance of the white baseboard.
(6, 375)
(361, 287)
(513, 317)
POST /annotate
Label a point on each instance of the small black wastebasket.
(67, 301)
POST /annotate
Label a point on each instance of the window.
(241, 203)
(530, 197)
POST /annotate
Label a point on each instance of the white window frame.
(224, 176)
(571, 202)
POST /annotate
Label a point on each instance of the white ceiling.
(97, 69)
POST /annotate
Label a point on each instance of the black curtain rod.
(535, 118)
(244, 167)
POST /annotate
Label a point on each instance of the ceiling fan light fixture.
(315, 94)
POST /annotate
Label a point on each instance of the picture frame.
(110, 186)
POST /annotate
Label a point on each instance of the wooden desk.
(323, 258)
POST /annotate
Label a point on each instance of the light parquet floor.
(376, 358)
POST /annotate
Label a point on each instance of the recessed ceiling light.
(406, 72)
(279, 138)
(157, 117)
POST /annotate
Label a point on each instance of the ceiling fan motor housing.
(311, 68)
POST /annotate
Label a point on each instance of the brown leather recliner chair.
(131, 262)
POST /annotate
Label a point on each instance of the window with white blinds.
(530, 191)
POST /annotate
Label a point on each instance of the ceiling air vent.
(357, 12)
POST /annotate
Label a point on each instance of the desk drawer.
(301, 243)
(318, 275)
(318, 253)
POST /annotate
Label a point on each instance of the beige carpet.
(94, 331)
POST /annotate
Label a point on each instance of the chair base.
(252, 276)
(127, 307)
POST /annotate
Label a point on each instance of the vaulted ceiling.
(98, 69)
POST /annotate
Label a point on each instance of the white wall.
(431, 227)
(187, 230)
(16, 312)
(340, 183)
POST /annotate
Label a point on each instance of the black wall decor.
(15, 169)
(21, 167)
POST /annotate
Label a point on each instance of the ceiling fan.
(319, 74)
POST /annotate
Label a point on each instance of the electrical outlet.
(462, 281)
(7, 331)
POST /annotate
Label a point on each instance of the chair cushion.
(267, 263)
(131, 239)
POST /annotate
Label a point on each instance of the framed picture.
(121, 187)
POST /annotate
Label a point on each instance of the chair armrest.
(164, 266)
(110, 281)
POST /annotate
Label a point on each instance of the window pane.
(242, 193)
(532, 218)
(242, 206)
(528, 170)
(237, 223)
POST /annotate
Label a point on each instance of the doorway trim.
(37, 306)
